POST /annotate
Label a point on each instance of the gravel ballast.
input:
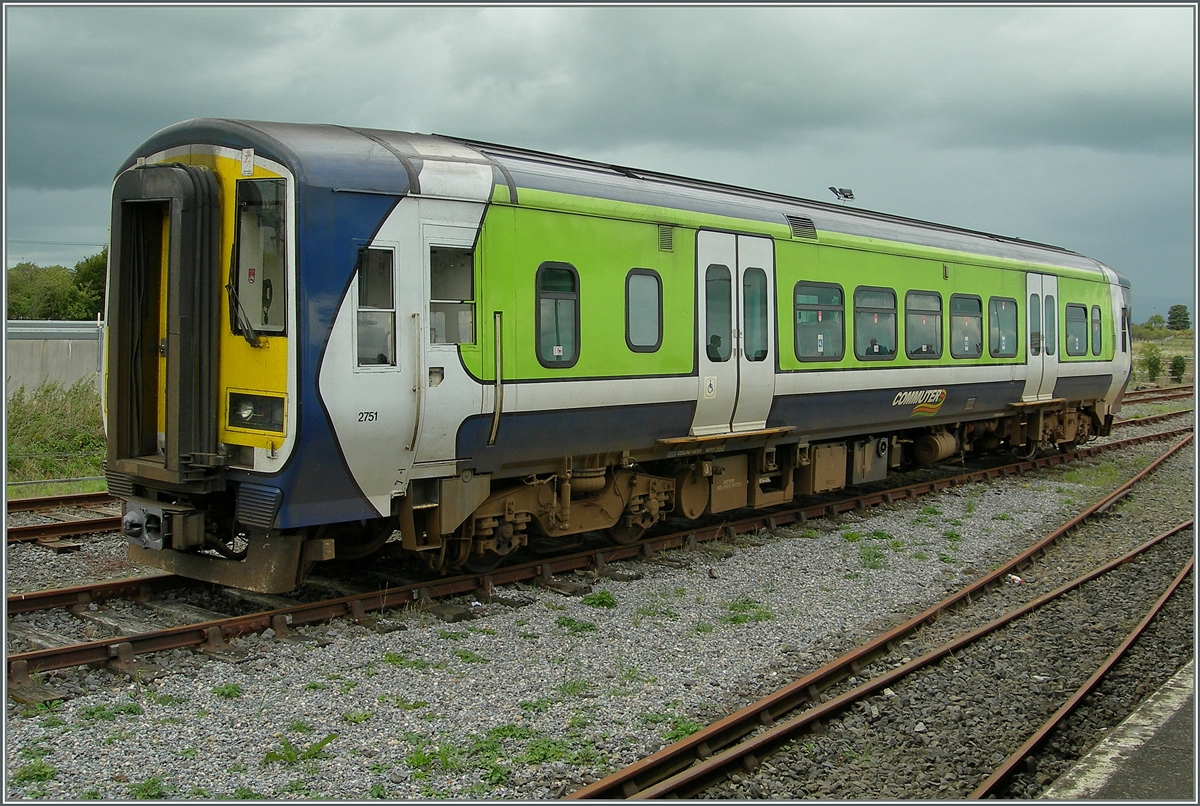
(534, 701)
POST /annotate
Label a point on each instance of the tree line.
(56, 292)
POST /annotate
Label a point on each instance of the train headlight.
(256, 412)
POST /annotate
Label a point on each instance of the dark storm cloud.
(589, 77)
(1072, 126)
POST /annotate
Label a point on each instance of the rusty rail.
(643, 778)
(59, 502)
(137, 588)
(1154, 418)
(1157, 397)
(49, 531)
(214, 633)
(748, 753)
(1000, 777)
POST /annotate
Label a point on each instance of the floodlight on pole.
(843, 194)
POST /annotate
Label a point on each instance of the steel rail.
(59, 502)
(1166, 390)
(61, 597)
(137, 588)
(214, 633)
(46, 531)
(748, 753)
(1158, 398)
(996, 781)
(1154, 418)
(699, 746)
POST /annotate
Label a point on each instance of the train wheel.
(356, 539)
(483, 563)
(625, 535)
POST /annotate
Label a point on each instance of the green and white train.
(322, 339)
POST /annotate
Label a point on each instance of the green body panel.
(516, 241)
(603, 239)
(1089, 293)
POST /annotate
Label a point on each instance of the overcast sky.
(1070, 126)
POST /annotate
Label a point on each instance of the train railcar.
(322, 339)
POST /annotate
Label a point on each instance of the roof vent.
(666, 238)
(802, 227)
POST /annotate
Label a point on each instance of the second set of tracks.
(87, 513)
(215, 633)
(740, 742)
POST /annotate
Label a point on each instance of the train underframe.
(472, 523)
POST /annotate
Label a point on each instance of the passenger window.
(261, 256)
(1096, 330)
(1077, 330)
(754, 314)
(643, 310)
(557, 315)
(1051, 326)
(923, 324)
(1002, 327)
(718, 293)
(452, 295)
(1035, 324)
(966, 326)
(820, 331)
(874, 323)
(376, 323)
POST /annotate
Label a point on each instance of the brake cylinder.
(935, 447)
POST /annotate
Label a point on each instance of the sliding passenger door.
(734, 278)
(716, 278)
(756, 350)
(1041, 336)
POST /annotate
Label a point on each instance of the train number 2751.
(368, 416)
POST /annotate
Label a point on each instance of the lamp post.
(843, 194)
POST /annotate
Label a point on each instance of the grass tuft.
(599, 599)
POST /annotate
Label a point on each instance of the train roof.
(382, 161)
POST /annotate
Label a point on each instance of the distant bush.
(1148, 333)
(55, 432)
(1152, 361)
(1178, 367)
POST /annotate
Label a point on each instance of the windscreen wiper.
(248, 331)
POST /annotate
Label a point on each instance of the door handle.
(418, 376)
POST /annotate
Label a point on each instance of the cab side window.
(452, 295)
(261, 256)
(376, 317)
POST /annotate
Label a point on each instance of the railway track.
(64, 509)
(213, 634)
(1158, 395)
(66, 515)
(741, 741)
